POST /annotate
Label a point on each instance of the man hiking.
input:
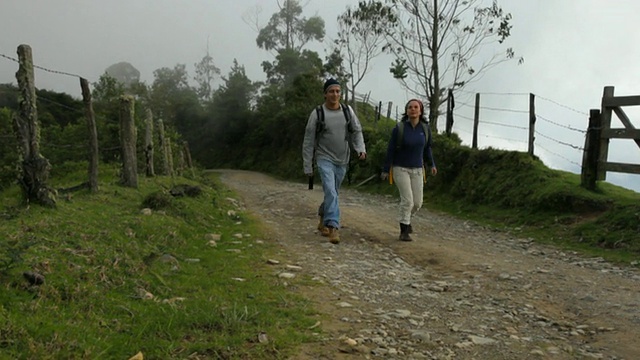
(330, 129)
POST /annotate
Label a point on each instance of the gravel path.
(458, 291)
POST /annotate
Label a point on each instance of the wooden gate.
(594, 162)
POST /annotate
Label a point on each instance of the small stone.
(344, 304)
(350, 342)
(479, 340)
(214, 237)
(262, 338)
(286, 275)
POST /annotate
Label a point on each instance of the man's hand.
(384, 175)
(362, 156)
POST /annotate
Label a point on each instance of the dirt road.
(458, 291)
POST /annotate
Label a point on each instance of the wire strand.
(558, 155)
(43, 68)
(561, 105)
(560, 142)
(561, 125)
(505, 125)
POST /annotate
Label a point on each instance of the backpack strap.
(399, 134)
(319, 119)
(320, 124)
(347, 116)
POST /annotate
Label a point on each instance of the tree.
(106, 94)
(124, 73)
(168, 88)
(206, 72)
(442, 44)
(229, 121)
(286, 34)
(361, 38)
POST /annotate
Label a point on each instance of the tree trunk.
(35, 168)
(434, 102)
(187, 157)
(93, 135)
(129, 175)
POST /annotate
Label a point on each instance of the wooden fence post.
(591, 148)
(450, 106)
(476, 120)
(187, 154)
(148, 144)
(605, 115)
(129, 175)
(169, 154)
(166, 169)
(389, 109)
(94, 154)
(35, 168)
(532, 122)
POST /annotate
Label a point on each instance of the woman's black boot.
(404, 233)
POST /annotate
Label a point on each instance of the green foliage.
(8, 150)
(11, 254)
(229, 121)
(287, 29)
(287, 33)
(206, 71)
(158, 200)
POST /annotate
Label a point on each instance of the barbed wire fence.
(507, 128)
(560, 137)
(166, 148)
(510, 124)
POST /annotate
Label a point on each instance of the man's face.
(332, 96)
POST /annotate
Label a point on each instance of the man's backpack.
(320, 125)
(400, 132)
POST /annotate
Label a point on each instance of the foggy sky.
(572, 49)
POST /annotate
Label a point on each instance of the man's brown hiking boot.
(334, 236)
(324, 231)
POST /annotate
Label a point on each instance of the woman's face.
(413, 109)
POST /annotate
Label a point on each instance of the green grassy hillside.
(186, 275)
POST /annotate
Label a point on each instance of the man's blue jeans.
(331, 175)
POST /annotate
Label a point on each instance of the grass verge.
(188, 278)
